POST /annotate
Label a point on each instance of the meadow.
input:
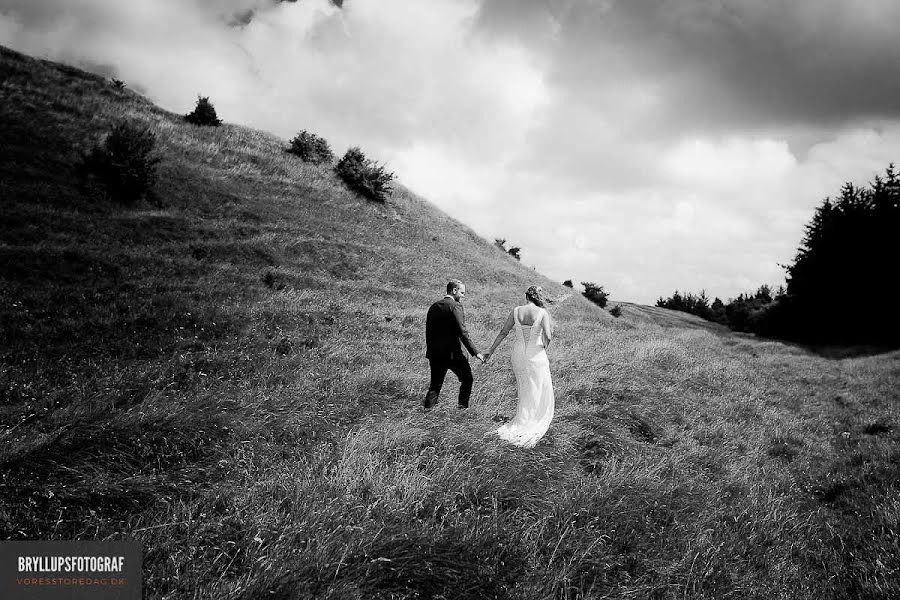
(231, 372)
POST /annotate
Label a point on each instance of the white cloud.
(730, 164)
(461, 187)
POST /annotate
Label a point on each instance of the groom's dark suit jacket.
(445, 328)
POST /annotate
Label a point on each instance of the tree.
(204, 113)
(849, 249)
(764, 293)
(840, 283)
(690, 303)
(717, 311)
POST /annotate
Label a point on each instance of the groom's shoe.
(431, 399)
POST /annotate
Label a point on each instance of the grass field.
(232, 371)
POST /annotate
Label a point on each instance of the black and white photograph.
(450, 299)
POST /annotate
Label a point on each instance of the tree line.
(840, 285)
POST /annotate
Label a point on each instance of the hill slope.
(232, 373)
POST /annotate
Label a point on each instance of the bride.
(532, 370)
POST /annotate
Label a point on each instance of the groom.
(445, 327)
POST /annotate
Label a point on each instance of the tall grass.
(147, 393)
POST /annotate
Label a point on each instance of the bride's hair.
(535, 295)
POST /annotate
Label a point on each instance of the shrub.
(204, 113)
(514, 251)
(123, 163)
(285, 346)
(595, 293)
(311, 148)
(119, 84)
(274, 280)
(616, 311)
(568, 283)
(364, 176)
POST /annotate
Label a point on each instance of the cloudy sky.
(644, 145)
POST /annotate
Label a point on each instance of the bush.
(123, 163)
(595, 293)
(204, 113)
(364, 176)
(311, 148)
(119, 84)
(568, 283)
(514, 251)
(616, 311)
(274, 280)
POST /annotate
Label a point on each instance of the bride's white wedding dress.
(532, 369)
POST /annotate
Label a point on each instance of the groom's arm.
(460, 316)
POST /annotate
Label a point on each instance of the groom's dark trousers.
(445, 334)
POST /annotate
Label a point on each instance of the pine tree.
(849, 249)
(204, 113)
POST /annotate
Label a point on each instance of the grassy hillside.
(232, 373)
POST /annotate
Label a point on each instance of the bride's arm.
(507, 327)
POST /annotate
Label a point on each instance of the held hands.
(481, 357)
(485, 357)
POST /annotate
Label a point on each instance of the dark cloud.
(242, 18)
(31, 14)
(718, 64)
